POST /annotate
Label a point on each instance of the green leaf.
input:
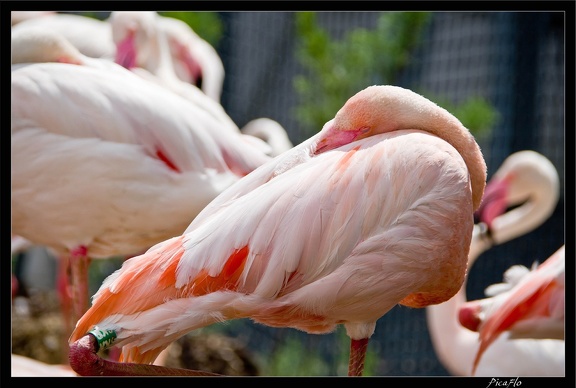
(207, 25)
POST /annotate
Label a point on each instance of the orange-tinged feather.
(168, 277)
(345, 161)
(117, 301)
(203, 283)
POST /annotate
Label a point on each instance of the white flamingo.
(98, 156)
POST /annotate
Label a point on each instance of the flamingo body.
(330, 232)
(107, 164)
(122, 151)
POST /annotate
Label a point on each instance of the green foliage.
(336, 70)
(207, 25)
(475, 113)
(292, 358)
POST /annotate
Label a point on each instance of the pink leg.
(357, 356)
(79, 263)
(63, 289)
(15, 286)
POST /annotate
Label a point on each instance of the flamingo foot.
(357, 356)
(85, 361)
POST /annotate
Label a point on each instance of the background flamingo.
(118, 156)
(140, 36)
(274, 248)
(531, 308)
(528, 184)
(92, 37)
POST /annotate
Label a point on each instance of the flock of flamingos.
(120, 147)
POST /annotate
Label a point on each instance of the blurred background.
(500, 73)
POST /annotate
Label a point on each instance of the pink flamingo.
(373, 211)
(527, 183)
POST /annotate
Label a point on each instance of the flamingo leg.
(79, 263)
(62, 286)
(357, 356)
(63, 289)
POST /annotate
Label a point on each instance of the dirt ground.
(38, 333)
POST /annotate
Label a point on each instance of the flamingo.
(143, 38)
(107, 164)
(92, 37)
(373, 211)
(532, 308)
(529, 181)
(186, 48)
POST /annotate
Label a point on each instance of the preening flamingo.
(107, 164)
(188, 48)
(528, 183)
(373, 211)
(532, 308)
(140, 38)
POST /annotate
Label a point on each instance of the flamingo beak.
(334, 137)
(493, 203)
